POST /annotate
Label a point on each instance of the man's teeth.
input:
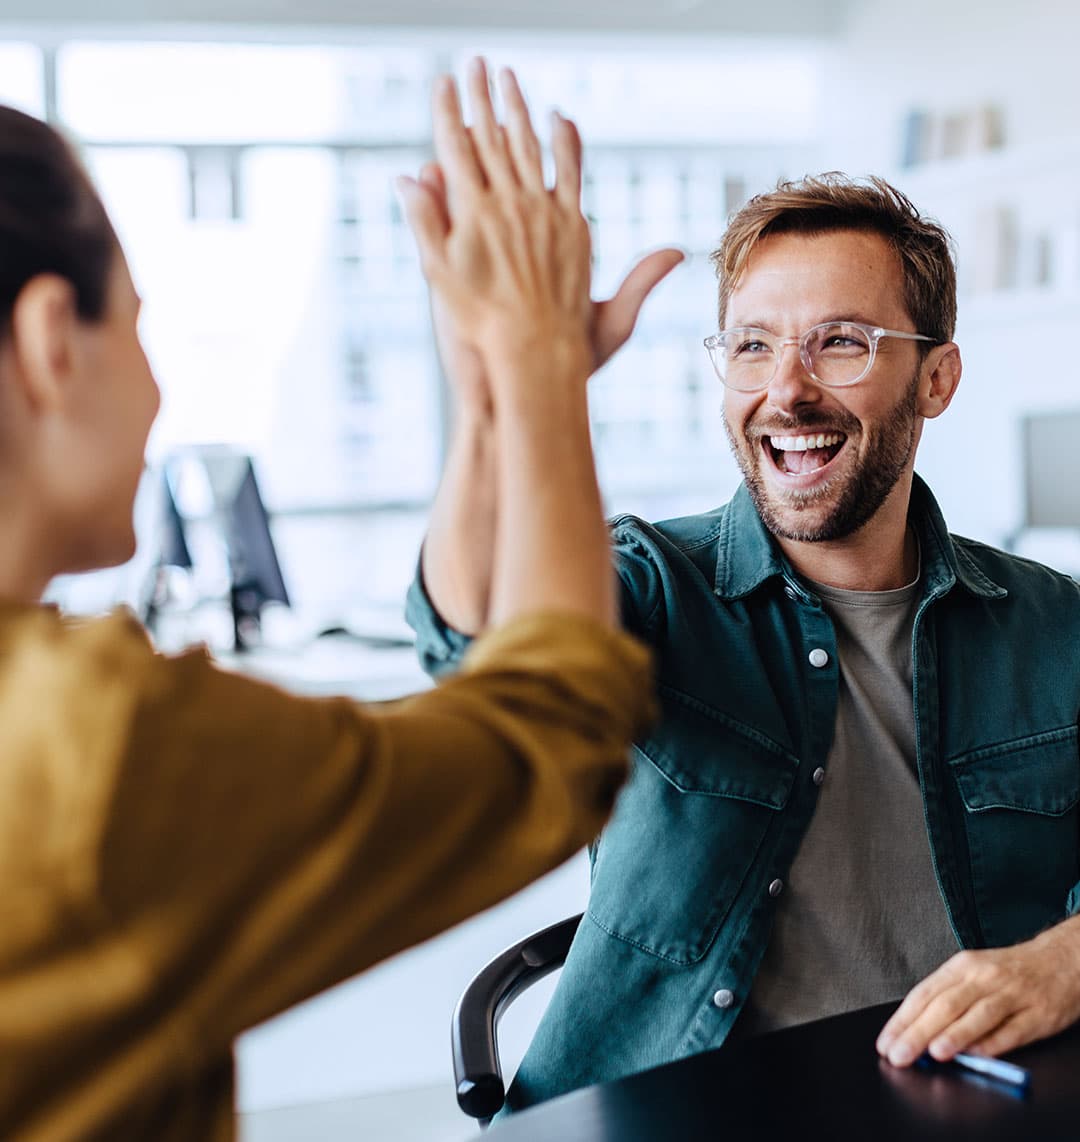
(805, 443)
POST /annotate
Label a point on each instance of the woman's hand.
(507, 259)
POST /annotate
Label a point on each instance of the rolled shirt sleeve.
(439, 646)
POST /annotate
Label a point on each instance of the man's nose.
(792, 386)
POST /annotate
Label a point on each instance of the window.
(22, 77)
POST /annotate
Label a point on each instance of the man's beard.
(866, 488)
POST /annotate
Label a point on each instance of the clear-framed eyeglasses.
(835, 353)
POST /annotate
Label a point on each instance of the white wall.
(945, 57)
(951, 54)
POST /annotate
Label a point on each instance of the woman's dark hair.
(51, 219)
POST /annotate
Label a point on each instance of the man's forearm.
(459, 548)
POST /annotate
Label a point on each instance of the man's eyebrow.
(847, 318)
(853, 319)
(751, 323)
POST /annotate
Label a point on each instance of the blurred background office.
(247, 152)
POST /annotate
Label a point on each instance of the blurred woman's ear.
(43, 333)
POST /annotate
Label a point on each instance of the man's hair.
(833, 201)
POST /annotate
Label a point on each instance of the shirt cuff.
(439, 647)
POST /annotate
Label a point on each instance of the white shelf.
(994, 170)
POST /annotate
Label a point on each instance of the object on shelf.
(928, 135)
(997, 248)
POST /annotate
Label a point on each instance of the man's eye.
(748, 348)
(842, 343)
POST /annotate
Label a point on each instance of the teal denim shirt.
(721, 792)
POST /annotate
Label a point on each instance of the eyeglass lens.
(839, 354)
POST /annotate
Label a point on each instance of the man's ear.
(938, 379)
(44, 340)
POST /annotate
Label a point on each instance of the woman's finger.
(523, 144)
(426, 220)
(453, 148)
(566, 147)
(488, 136)
(431, 176)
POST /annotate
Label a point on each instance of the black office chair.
(473, 1029)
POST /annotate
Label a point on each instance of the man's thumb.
(616, 317)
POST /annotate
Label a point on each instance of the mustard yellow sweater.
(185, 852)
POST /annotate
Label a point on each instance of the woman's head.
(51, 221)
(76, 394)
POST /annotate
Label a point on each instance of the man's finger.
(524, 145)
(913, 1005)
(453, 147)
(1017, 1030)
(941, 1012)
(615, 318)
(980, 1019)
(566, 149)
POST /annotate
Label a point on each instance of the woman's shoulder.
(53, 661)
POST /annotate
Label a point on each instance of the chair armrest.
(477, 1073)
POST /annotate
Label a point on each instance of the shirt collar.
(747, 555)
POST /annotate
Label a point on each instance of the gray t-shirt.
(860, 920)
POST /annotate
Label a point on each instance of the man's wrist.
(1063, 942)
(1065, 933)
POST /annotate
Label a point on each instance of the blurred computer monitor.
(231, 507)
(173, 550)
(255, 577)
(168, 543)
(1051, 466)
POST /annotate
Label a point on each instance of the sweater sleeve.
(257, 847)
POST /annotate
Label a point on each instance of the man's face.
(793, 282)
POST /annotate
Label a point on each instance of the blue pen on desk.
(996, 1069)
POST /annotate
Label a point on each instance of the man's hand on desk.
(990, 1001)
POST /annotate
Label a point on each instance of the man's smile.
(808, 457)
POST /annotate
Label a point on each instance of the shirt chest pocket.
(687, 831)
(1022, 830)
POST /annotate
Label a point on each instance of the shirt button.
(776, 887)
(819, 657)
(818, 776)
(791, 593)
(723, 998)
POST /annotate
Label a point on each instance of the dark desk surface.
(821, 1080)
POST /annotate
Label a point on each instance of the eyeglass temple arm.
(906, 336)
